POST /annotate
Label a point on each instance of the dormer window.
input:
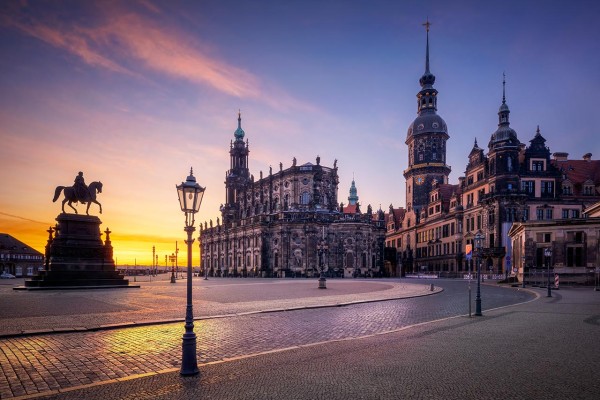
(588, 190)
(537, 165)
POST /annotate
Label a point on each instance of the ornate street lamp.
(190, 197)
(548, 255)
(172, 259)
(479, 250)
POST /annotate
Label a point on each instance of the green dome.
(239, 132)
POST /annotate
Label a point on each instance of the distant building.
(513, 182)
(574, 245)
(17, 258)
(288, 222)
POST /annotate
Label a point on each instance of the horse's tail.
(57, 192)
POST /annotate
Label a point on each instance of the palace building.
(289, 223)
(510, 182)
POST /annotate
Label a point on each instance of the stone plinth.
(77, 257)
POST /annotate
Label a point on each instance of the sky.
(134, 93)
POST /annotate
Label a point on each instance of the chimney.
(560, 156)
(587, 156)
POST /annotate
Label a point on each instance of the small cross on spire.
(427, 24)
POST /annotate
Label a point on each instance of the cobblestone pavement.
(159, 300)
(544, 349)
(40, 364)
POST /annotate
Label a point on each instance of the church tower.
(426, 140)
(353, 198)
(238, 176)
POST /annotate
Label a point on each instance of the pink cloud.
(121, 36)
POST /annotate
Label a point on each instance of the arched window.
(304, 198)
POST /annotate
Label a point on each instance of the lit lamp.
(478, 248)
(190, 197)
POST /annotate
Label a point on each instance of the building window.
(528, 187)
(549, 213)
(537, 166)
(547, 188)
(304, 198)
(567, 190)
(540, 214)
(588, 190)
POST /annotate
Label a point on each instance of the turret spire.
(427, 24)
(504, 111)
(239, 132)
(503, 88)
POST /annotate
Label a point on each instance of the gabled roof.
(397, 214)
(579, 171)
(9, 243)
(447, 190)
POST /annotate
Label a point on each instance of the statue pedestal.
(77, 258)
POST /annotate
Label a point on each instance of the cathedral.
(512, 182)
(289, 224)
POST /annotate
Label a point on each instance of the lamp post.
(190, 197)
(322, 248)
(523, 282)
(548, 255)
(172, 259)
(478, 249)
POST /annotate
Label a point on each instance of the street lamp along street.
(479, 253)
(190, 197)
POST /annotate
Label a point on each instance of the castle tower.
(503, 151)
(426, 140)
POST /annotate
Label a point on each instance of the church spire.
(353, 198)
(428, 79)
(427, 97)
(504, 111)
(427, 25)
(239, 132)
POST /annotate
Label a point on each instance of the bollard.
(431, 287)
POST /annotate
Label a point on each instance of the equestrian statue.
(79, 193)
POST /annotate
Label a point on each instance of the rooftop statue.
(79, 193)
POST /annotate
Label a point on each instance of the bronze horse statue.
(71, 197)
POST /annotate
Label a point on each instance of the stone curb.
(36, 332)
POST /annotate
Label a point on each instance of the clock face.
(419, 180)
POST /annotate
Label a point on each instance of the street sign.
(548, 252)
(469, 251)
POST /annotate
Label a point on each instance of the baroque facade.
(513, 182)
(289, 223)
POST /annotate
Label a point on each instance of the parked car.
(6, 275)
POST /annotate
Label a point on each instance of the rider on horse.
(81, 190)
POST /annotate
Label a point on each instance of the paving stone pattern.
(42, 363)
(545, 349)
